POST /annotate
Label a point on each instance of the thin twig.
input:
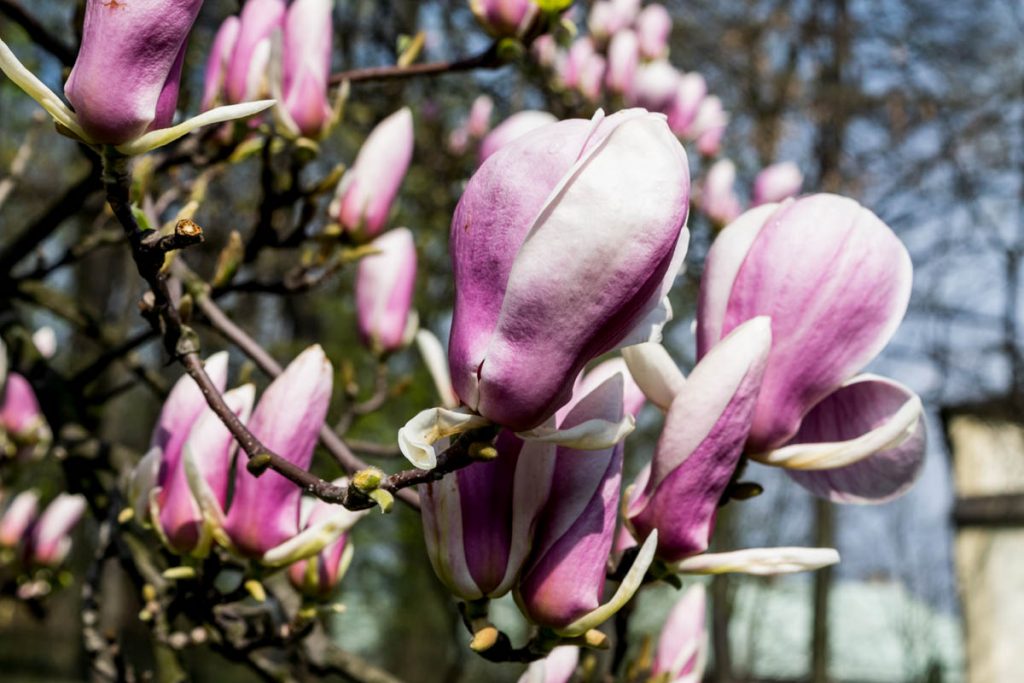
(488, 59)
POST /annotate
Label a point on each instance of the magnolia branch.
(488, 59)
(149, 252)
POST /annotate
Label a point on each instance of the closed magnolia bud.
(384, 288)
(51, 541)
(682, 111)
(718, 193)
(366, 191)
(479, 121)
(623, 57)
(249, 64)
(835, 281)
(527, 260)
(23, 429)
(18, 517)
(505, 18)
(655, 85)
(308, 38)
(579, 54)
(608, 17)
(264, 510)
(126, 77)
(653, 27)
(217, 63)
(592, 77)
(709, 125)
(777, 182)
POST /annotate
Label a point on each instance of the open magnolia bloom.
(567, 210)
(124, 84)
(835, 281)
(706, 426)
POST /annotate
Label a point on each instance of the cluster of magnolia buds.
(795, 299)
(181, 487)
(37, 543)
(624, 59)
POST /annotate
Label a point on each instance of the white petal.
(655, 373)
(826, 456)
(313, 539)
(417, 438)
(163, 136)
(760, 561)
(37, 90)
(634, 577)
(592, 435)
(437, 364)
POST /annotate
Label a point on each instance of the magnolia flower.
(623, 57)
(835, 281)
(505, 18)
(685, 104)
(655, 85)
(50, 541)
(592, 77)
(264, 510)
(579, 54)
(718, 194)
(318, 576)
(608, 17)
(18, 517)
(567, 210)
(700, 445)
(384, 288)
(249, 64)
(653, 26)
(709, 125)
(777, 182)
(479, 521)
(682, 649)
(562, 583)
(364, 196)
(308, 37)
(479, 120)
(139, 48)
(206, 457)
(557, 667)
(23, 429)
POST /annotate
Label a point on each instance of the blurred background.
(915, 108)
